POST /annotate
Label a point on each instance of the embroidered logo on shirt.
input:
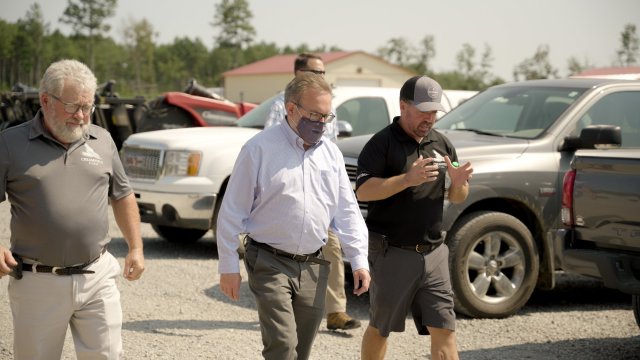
(90, 156)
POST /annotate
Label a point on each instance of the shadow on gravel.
(247, 301)
(157, 248)
(577, 293)
(184, 327)
(583, 349)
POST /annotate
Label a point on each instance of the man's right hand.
(230, 285)
(6, 261)
(421, 171)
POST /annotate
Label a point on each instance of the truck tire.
(635, 303)
(176, 234)
(494, 264)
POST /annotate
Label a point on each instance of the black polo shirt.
(409, 216)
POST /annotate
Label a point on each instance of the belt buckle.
(300, 258)
(418, 247)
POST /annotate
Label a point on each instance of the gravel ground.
(176, 311)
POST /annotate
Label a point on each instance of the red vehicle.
(195, 106)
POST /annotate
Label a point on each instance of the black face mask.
(310, 131)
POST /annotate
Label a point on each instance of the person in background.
(336, 301)
(60, 173)
(288, 186)
(402, 173)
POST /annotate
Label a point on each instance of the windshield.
(514, 111)
(257, 117)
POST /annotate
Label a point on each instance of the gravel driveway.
(176, 311)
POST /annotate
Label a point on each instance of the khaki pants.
(336, 300)
(44, 305)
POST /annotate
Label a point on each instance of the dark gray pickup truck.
(601, 214)
(521, 138)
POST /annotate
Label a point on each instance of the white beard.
(67, 135)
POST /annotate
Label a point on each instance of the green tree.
(465, 60)
(576, 66)
(260, 51)
(138, 40)
(28, 45)
(537, 67)
(8, 33)
(171, 71)
(425, 55)
(233, 18)
(476, 75)
(629, 44)
(59, 46)
(87, 17)
(397, 51)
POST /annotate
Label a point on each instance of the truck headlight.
(182, 163)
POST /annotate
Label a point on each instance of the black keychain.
(16, 271)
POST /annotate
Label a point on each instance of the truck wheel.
(493, 263)
(176, 234)
(635, 303)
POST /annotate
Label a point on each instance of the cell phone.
(16, 271)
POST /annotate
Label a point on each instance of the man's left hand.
(459, 174)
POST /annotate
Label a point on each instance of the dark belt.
(419, 248)
(68, 270)
(299, 258)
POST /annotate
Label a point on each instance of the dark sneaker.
(341, 321)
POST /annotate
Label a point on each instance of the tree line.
(140, 66)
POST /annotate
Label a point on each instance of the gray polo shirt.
(59, 197)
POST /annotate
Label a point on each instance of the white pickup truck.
(180, 175)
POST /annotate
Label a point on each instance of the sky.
(588, 30)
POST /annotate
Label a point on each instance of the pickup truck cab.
(601, 217)
(520, 138)
(179, 176)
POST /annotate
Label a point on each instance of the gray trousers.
(290, 297)
(44, 305)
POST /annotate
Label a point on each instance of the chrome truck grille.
(352, 169)
(141, 163)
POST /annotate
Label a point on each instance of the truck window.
(524, 112)
(367, 115)
(619, 109)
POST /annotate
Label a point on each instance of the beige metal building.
(260, 80)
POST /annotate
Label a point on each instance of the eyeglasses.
(314, 116)
(317, 72)
(71, 108)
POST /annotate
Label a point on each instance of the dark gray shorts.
(405, 281)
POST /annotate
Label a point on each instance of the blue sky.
(587, 29)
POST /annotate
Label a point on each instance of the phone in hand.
(16, 271)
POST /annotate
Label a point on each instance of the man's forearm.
(459, 193)
(127, 217)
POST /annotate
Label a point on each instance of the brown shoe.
(341, 321)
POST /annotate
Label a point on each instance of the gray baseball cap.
(422, 92)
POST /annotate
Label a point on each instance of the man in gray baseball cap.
(401, 173)
(422, 92)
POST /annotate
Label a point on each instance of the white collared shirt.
(287, 197)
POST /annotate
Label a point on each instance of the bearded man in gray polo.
(60, 173)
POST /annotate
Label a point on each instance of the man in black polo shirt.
(401, 173)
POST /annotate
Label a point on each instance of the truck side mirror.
(594, 136)
(344, 128)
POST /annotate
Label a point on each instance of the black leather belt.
(299, 258)
(68, 270)
(419, 248)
